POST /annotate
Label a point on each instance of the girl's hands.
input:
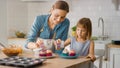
(92, 57)
(58, 42)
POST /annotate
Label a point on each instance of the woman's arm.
(32, 35)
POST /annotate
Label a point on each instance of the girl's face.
(81, 32)
(57, 15)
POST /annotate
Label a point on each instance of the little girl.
(81, 42)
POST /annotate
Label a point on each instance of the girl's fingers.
(93, 58)
(58, 41)
(88, 56)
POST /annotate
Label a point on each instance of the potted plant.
(20, 34)
(73, 30)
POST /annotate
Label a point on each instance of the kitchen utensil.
(22, 62)
(12, 50)
(2, 45)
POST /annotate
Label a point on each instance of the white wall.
(85, 8)
(17, 17)
(38, 8)
(3, 22)
(26, 12)
(95, 9)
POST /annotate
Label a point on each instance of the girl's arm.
(64, 43)
(91, 51)
(67, 42)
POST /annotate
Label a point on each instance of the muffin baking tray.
(21, 61)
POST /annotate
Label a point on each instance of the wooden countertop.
(113, 46)
(16, 38)
(57, 62)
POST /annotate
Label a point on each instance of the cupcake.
(48, 53)
(72, 53)
(42, 53)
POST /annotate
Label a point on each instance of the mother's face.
(57, 16)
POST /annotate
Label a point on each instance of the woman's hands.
(39, 42)
(33, 45)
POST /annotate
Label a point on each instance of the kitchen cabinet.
(113, 56)
(117, 61)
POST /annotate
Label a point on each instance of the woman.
(52, 26)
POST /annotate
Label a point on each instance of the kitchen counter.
(14, 38)
(113, 46)
(57, 62)
(108, 46)
(113, 55)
